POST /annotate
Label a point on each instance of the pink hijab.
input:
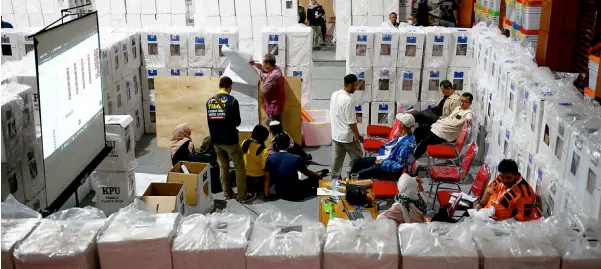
(181, 134)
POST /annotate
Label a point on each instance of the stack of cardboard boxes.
(22, 159)
(114, 183)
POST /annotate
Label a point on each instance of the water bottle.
(335, 188)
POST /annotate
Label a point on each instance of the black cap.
(348, 79)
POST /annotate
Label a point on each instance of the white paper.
(483, 214)
(465, 196)
(239, 69)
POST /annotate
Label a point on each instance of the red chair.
(449, 151)
(478, 187)
(451, 175)
(372, 145)
(537, 213)
(386, 187)
(452, 209)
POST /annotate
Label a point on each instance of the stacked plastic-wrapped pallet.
(361, 244)
(217, 240)
(17, 222)
(575, 238)
(299, 58)
(37, 14)
(66, 239)
(409, 64)
(278, 241)
(437, 245)
(138, 238)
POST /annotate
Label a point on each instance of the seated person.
(275, 127)
(255, 156)
(410, 204)
(283, 168)
(509, 194)
(182, 148)
(448, 128)
(395, 155)
(449, 102)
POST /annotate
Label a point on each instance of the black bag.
(356, 195)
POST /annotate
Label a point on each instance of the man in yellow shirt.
(255, 156)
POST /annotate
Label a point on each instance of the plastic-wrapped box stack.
(409, 63)
(436, 62)
(386, 45)
(115, 181)
(37, 14)
(22, 159)
(576, 239)
(274, 43)
(503, 245)
(342, 11)
(17, 222)
(437, 245)
(299, 58)
(360, 60)
(361, 244)
(66, 239)
(138, 238)
(362, 111)
(217, 240)
(16, 43)
(278, 241)
(459, 72)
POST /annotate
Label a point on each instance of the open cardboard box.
(165, 197)
(197, 183)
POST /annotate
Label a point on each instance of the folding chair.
(378, 137)
(478, 187)
(449, 151)
(451, 175)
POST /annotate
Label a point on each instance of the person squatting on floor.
(255, 156)
(275, 127)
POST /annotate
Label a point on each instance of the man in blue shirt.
(223, 118)
(393, 155)
(283, 168)
(5, 24)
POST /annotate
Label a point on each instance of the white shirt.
(448, 128)
(342, 115)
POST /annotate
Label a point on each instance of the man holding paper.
(272, 87)
(509, 195)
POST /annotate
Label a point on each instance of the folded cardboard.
(114, 190)
(165, 197)
(120, 137)
(197, 183)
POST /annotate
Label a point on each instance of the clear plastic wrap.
(66, 239)
(361, 47)
(386, 46)
(361, 244)
(577, 240)
(299, 41)
(279, 241)
(137, 238)
(438, 43)
(18, 127)
(411, 47)
(437, 245)
(18, 221)
(514, 245)
(215, 241)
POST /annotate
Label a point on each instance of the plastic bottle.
(335, 187)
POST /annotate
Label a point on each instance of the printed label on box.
(151, 38)
(462, 40)
(223, 41)
(387, 37)
(408, 76)
(411, 39)
(434, 74)
(297, 73)
(199, 40)
(175, 72)
(174, 37)
(274, 38)
(458, 75)
(438, 39)
(361, 38)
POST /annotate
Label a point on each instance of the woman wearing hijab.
(315, 15)
(410, 204)
(255, 156)
(182, 148)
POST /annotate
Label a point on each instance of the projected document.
(71, 90)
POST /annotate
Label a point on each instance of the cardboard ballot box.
(165, 197)
(197, 183)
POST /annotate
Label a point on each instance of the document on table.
(328, 192)
(465, 196)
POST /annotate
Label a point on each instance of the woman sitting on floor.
(255, 157)
(275, 127)
(410, 204)
(394, 156)
(182, 148)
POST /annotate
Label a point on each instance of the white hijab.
(407, 186)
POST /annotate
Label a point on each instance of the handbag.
(356, 195)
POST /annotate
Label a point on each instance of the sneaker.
(249, 198)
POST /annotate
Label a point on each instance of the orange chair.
(478, 187)
(449, 151)
(452, 175)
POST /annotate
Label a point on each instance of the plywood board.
(183, 99)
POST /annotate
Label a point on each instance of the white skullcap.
(274, 123)
(406, 119)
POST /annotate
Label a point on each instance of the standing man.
(393, 19)
(223, 117)
(315, 15)
(274, 94)
(448, 128)
(448, 13)
(345, 135)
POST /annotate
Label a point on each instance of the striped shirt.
(516, 201)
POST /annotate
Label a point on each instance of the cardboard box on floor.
(183, 99)
(197, 182)
(165, 197)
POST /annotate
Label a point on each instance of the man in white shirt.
(448, 128)
(345, 135)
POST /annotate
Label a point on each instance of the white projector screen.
(70, 92)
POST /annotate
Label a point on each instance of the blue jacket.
(223, 117)
(399, 153)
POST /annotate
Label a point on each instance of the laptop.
(357, 214)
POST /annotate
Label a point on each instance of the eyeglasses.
(464, 101)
